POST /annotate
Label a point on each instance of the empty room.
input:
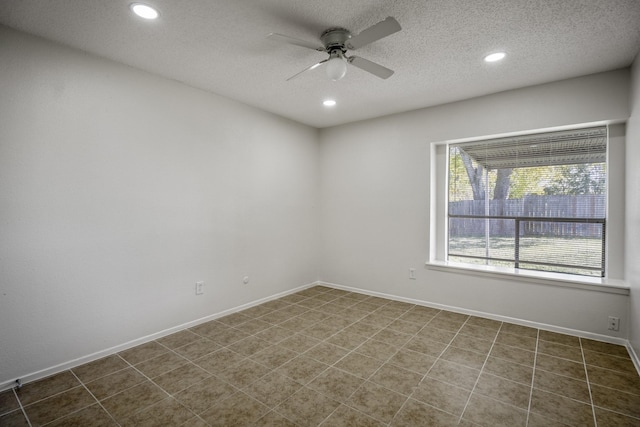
(304, 213)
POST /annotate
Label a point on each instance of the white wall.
(375, 201)
(119, 190)
(632, 248)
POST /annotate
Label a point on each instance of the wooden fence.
(539, 207)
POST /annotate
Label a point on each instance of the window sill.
(556, 279)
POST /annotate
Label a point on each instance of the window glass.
(533, 202)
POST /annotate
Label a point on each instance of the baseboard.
(34, 376)
(634, 357)
(537, 325)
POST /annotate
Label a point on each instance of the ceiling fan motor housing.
(334, 39)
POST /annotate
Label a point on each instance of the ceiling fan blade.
(370, 67)
(375, 32)
(292, 40)
(316, 65)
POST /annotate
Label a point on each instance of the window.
(534, 202)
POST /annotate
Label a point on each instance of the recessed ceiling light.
(144, 11)
(495, 57)
(329, 103)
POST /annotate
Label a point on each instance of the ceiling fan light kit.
(336, 42)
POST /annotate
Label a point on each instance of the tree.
(477, 179)
(583, 178)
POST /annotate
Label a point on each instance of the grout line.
(533, 375)
(96, 399)
(481, 370)
(584, 365)
(435, 361)
(21, 406)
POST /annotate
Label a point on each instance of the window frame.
(613, 281)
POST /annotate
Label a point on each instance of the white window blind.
(533, 202)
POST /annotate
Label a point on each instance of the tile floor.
(328, 357)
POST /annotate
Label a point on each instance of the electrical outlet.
(614, 323)
(412, 273)
(199, 288)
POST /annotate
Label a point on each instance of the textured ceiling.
(220, 46)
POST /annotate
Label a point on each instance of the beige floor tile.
(143, 352)
(161, 364)
(478, 332)
(345, 416)
(464, 357)
(127, 403)
(273, 419)
(228, 337)
(302, 369)
(564, 386)
(167, 412)
(392, 337)
(237, 410)
(58, 406)
(326, 353)
(249, 346)
(524, 331)
(336, 384)
(203, 395)
(244, 373)
(612, 419)
(485, 411)
(443, 396)
(513, 354)
(273, 389)
(8, 402)
(491, 324)
(181, 378)
(405, 326)
(509, 370)
(454, 374)
(413, 361)
(606, 348)
(41, 389)
(377, 349)
(299, 343)
(307, 407)
(348, 340)
(425, 346)
(620, 364)
(275, 334)
(14, 419)
(613, 379)
(377, 401)
(560, 350)
(467, 342)
(559, 338)
(561, 409)
(218, 361)
(93, 416)
(365, 329)
(99, 368)
(519, 341)
(435, 334)
(615, 400)
(359, 365)
(178, 339)
(197, 349)
(397, 379)
(115, 383)
(274, 356)
(559, 366)
(512, 393)
(414, 413)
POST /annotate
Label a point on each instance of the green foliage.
(584, 178)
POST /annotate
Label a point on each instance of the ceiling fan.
(336, 42)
